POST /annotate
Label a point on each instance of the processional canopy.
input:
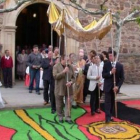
(73, 27)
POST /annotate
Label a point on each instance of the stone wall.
(130, 32)
(1, 20)
(131, 63)
(130, 43)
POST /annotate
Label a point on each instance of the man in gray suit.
(62, 85)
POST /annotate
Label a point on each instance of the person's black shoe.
(6, 86)
(98, 111)
(74, 106)
(107, 121)
(38, 93)
(112, 120)
(92, 113)
(53, 111)
(45, 103)
(30, 91)
(10, 86)
(69, 121)
(84, 100)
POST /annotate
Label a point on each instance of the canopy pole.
(86, 48)
(52, 36)
(99, 93)
(52, 42)
(119, 44)
(96, 45)
(60, 38)
(68, 94)
(115, 94)
(114, 78)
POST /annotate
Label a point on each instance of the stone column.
(8, 42)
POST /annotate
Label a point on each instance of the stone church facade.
(130, 43)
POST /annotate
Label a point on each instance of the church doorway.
(33, 27)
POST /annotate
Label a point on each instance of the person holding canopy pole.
(64, 78)
(112, 85)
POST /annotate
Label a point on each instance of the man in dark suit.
(110, 68)
(48, 80)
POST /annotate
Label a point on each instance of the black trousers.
(7, 77)
(47, 84)
(46, 89)
(94, 99)
(85, 90)
(52, 96)
(109, 104)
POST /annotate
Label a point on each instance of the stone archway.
(8, 29)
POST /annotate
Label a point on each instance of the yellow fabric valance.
(52, 13)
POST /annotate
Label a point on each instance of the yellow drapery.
(74, 29)
(52, 13)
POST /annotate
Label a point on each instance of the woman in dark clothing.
(105, 56)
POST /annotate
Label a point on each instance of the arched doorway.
(33, 27)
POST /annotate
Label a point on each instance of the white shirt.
(113, 64)
(7, 57)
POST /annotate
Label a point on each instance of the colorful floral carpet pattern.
(40, 124)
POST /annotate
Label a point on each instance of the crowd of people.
(67, 80)
(71, 78)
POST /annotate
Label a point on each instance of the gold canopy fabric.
(59, 26)
(93, 23)
(52, 13)
(90, 26)
(98, 30)
(75, 30)
(78, 22)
